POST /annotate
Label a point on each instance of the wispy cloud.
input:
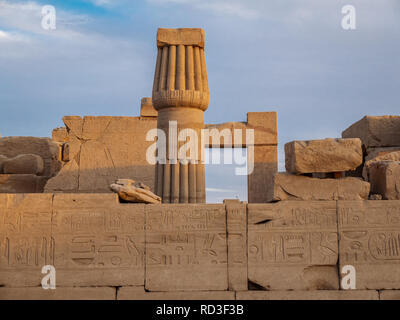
(229, 8)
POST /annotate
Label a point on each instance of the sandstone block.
(382, 154)
(60, 135)
(329, 155)
(292, 187)
(389, 295)
(260, 182)
(43, 147)
(147, 108)
(138, 293)
(265, 125)
(183, 36)
(24, 164)
(369, 233)
(21, 183)
(309, 295)
(293, 246)
(186, 248)
(38, 293)
(103, 149)
(379, 131)
(385, 179)
(237, 244)
(97, 240)
(26, 244)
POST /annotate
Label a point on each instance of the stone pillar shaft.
(181, 95)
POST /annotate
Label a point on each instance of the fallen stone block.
(329, 155)
(24, 164)
(379, 131)
(186, 247)
(379, 155)
(47, 149)
(369, 240)
(292, 187)
(136, 194)
(138, 293)
(293, 246)
(100, 293)
(384, 177)
(309, 295)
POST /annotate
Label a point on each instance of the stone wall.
(99, 150)
(104, 249)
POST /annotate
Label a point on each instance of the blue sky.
(290, 56)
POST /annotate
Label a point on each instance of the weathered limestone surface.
(186, 248)
(43, 147)
(138, 293)
(293, 245)
(26, 244)
(22, 183)
(376, 131)
(369, 233)
(328, 155)
(309, 295)
(24, 164)
(385, 179)
(97, 240)
(92, 293)
(102, 150)
(389, 295)
(237, 244)
(292, 187)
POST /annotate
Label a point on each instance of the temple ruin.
(337, 204)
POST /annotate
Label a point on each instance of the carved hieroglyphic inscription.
(186, 247)
(370, 241)
(237, 245)
(25, 238)
(98, 241)
(293, 245)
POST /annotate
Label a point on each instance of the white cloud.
(229, 8)
(219, 190)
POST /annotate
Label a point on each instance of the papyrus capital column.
(181, 94)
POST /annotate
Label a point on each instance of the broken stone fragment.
(136, 193)
(384, 177)
(293, 187)
(24, 164)
(381, 131)
(328, 155)
(381, 155)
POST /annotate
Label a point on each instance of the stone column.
(181, 95)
